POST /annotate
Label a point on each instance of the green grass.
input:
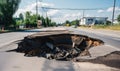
(109, 27)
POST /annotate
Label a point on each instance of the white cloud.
(32, 8)
(72, 15)
(111, 9)
(100, 11)
(57, 15)
(52, 12)
(67, 16)
(88, 15)
(45, 4)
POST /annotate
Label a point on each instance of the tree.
(108, 22)
(33, 20)
(48, 21)
(67, 22)
(118, 18)
(7, 9)
(43, 21)
(75, 22)
(19, 21)
(21, 17)
(30, 20)
(27, 19)
(53, 24)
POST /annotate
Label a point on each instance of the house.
(93, 20)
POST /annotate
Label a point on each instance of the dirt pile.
(57, 46)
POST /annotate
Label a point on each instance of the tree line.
(70, 23)
(76, 22)
(8, 9)
(30, 20)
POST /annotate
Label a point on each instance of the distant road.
(110, 37)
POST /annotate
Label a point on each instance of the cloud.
(52, 12)
(32, 8)
(88, 15)
(72, 15)
(67, 16)
(111, 9)
(55, 15)
(100, 11)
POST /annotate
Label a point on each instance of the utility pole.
(37, 12)
(83, 13)
(36, 9)
(113, 12)
(39, 22)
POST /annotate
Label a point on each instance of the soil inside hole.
(64, 46)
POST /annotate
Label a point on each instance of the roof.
(95, 17)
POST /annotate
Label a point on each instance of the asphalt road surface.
(110, 37)
(12, 61)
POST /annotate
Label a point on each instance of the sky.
(104, 9)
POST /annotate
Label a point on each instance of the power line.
(74, 8)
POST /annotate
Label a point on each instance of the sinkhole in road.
(63, 46)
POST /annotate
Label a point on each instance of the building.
(93, 20)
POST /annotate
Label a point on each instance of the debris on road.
(59, 45)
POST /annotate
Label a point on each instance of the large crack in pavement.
(65, 46)
(57, 45)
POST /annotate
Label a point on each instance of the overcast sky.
(62, 15)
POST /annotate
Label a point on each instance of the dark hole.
(58, 46)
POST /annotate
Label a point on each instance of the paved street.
(7, 38)
(12, 61)
(111, 38)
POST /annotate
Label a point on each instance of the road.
(7, 38)
(12, 61)
(110, 37)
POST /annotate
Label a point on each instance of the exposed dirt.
(56, 45)
(65, 46)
